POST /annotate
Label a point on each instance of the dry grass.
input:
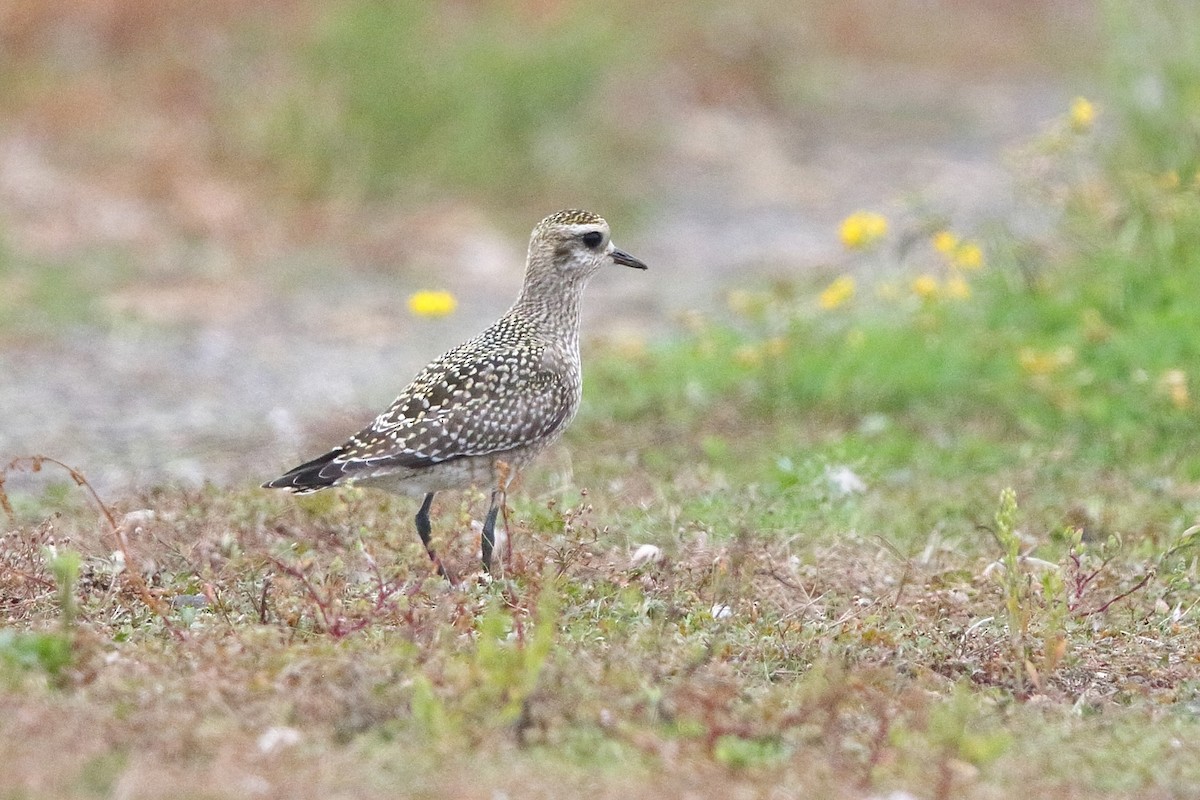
(228, 643)
(307, 650)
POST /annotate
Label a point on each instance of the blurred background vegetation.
(905, 256)
(290, 169)
(504, 104)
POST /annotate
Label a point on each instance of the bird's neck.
(555, 313)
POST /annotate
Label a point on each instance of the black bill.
(624, 259)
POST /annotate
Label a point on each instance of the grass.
(932, 631)
(493, 106)
(943, 545)
(940, 545)
(869, 641)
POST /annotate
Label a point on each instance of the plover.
(480, 412)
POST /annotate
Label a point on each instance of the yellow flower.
(432, 304)
(1081, 115)
(741, 302)
(957, 287)
(746, 303)
(967, 255)
(837, 293)
(945, 242)
(775, 346)
(925, 287)
(1038, 362)
(748, 355)
(631, 346)
(1174, 383)
(959, 253)
(862, 229)
(1168, 180)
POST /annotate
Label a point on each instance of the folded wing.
(500, 402)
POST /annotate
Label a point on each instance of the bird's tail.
(308, 476)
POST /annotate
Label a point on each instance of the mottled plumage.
(480, 412)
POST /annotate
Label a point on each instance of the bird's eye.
(593, 239)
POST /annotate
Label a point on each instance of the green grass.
(847, 662)
(930, 631)
(486, 98)
(1007, 604)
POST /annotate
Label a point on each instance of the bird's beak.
(626, 260)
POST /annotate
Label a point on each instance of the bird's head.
(574, 245)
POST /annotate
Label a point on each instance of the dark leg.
(424, 530)
(488, 540)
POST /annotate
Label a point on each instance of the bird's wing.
(502, 400)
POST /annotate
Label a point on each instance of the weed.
(510, 659)
(812, 472)
(1015, 582)
(368, 601)
(49, 651)
(118, 531)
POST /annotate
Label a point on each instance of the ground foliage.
(886, 538)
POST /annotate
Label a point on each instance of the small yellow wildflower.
(775, 346)
(1081, 115)
(1168, 180)
(1043, 362)
(945, 242)
(888, 290)
(1174, 383)
(957, 287)
(743, 302)
(432, 304)
(967, 255)
(1034, 362)
(925, 287)
(631, 346)
(862, 229)
(748, 355)
(836, 294)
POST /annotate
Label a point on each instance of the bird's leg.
(504, 476)
(488, 539)
(425, 530)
